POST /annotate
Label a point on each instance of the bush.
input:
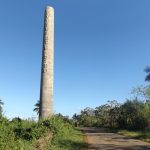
(28, 135)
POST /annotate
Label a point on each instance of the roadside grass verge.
(66, 137)
(141, 135)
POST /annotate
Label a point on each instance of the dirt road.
(100, 140)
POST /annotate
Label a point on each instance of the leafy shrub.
(28, 135)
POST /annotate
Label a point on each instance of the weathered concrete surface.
(46, 92)
(100, 140)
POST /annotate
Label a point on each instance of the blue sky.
(101, 50)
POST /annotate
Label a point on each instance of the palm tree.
(37, 107)
(147, 70)
(1, 108)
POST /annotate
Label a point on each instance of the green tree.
(1, 106)
(86, 118)
(133, 115)
(102, 115)
(147, 70)
(65, 118)
(107, 115)
(142, 93)
(37, 107)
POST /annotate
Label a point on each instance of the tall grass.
(66, 137)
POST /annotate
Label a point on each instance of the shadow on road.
(114, 147)
(100, 139)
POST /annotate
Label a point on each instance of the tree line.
(133, 114)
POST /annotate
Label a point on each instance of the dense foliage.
(1, 108)
(132, 115)
(51, 134)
